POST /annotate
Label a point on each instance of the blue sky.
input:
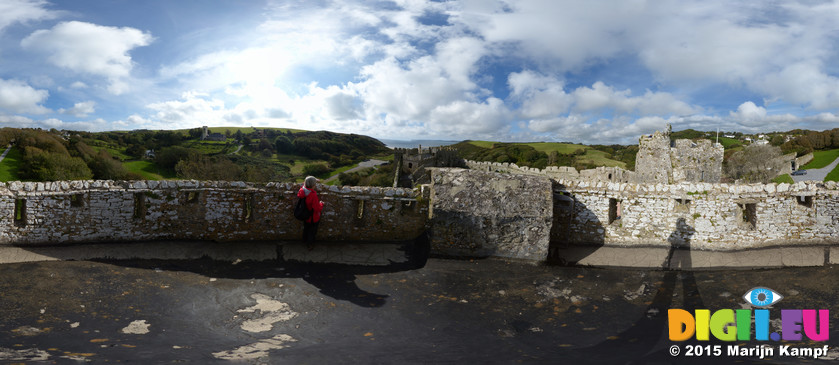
(528, 70)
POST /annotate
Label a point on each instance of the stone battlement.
(523, 215)
(91, 211)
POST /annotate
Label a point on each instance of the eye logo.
(762, 297)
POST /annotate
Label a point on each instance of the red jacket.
(312, 202)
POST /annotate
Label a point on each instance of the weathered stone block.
(489, 214)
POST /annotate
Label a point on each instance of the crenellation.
(220, 211)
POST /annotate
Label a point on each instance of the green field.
(728, 142)
(249, 130)
(113, 150)
(548, 147)
(822, 159)
(211, 147)
(785, 178)
(833, 175)
(600, 158)
(10, 165)
(482, 144)
(147, 170)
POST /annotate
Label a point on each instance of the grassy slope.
(248, 130)
(600, 158)
(822, 159)
(833, 175)
(785, 178)
(10, 165)
(727, 142)
(482, 144)
(593, 156)
(148, 170)
(548, 147)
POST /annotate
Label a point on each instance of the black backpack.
(301, 211)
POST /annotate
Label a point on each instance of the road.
(239, 148)
(449, 311)
(361, 165)
(816, 174)
(6, 152)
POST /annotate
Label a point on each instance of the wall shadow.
(636, 342)
(568, 246)
(334, 280)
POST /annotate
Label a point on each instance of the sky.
(526, 70)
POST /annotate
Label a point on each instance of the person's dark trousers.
(309, 232)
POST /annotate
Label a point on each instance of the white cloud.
(194, 108)
(557, 34)
(601, 96)
(540, 96)
(17, 121)
(350, 66)
(748, 111)
(90, 48)
(18, 97)
(23, 11)
(80, 110)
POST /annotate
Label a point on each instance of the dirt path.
(361, 165)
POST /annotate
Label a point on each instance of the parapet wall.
(601, 173)
(91, 211)
(700, 216)
(480, 213)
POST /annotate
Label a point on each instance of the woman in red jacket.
(310, 226)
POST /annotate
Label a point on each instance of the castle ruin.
(489, 210)
(411, 163)
(661, 161)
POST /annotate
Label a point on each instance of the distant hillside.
(543, 154)
(395, 143)
(246, 154)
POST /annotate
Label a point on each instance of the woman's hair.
(310, 182)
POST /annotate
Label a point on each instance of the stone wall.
(602, 173)
(803, 160)
(696, 161)
(412, 162)
(652, 163)
(91, 211)
(661, 162)
(477, 213)
(701, 216)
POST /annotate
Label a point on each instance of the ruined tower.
(660, 161)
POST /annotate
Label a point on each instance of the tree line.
(524, 155)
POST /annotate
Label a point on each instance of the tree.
(201, 167)
(135, 150)
(105, 167)
(350, 179)
(196, 133)
(316, 169)
(168, 157)
(755, 163)
(42, 165)
(283, 145)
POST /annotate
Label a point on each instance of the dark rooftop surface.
(449, 311)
